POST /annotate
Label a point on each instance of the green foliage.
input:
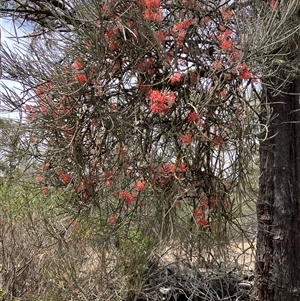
(140, 126)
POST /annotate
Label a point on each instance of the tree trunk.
(278, 206)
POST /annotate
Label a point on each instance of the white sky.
(7, 30)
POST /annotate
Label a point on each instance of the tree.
(277, 209)
(277, 274)
(143, 111)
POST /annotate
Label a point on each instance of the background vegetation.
(133, 173)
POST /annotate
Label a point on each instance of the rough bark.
(278, 206)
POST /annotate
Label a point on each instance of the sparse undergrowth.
(182, 282)
(48, 255)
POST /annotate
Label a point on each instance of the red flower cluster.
(64, 177)
(168, 171)
(155, 16)
(171, 168)
(244, 72)
(77, 65)
(223, 94)
(140, 185)
(168, 168)
(193, 116)
(44, 190)
(273, 5)
(79, 75)
(181, 167)
(186, 138)
(145, 65)
(152, 10)
(226, 13)
(179, 30)
(127, 196)
(182, 25)
(226, 45)
(160, 35)
(202, 222)
(161, 101)
(111, 32)
(108, 176)
(42, 90)
(40, 178)
(225, 40)
(86, 184)
(111, 220)
(153, 4)
(175, 78)
(199, 218)
(81, 78)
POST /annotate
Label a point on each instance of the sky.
(7, 30)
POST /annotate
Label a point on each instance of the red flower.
(43, 109)
(123, 194)
(41, 89)
(201, 222)
(77, 65)
(198, 213)
(152, 3)
(206, 20)
(186, 138)
(86, 184)
(181, 25)
(110, 32)
(180, 37)
(140, 185)
(112, 46)
(226, 45)
(111, 220)
(225, 35)
(226, 14)
(40, 178)
(155, 16)
(223, 94)
(107, 175)
(213, 200)
(114, 106)
(244, 72)
(193, 116)
(157, 108)
(161, 101)
(126, 196)
(81, 78)
(44, 166)
(144, 65)
(190, 3)
(203, 202)
(199, 218)
(181, 167)
(161, 36)
(273, 5)
(218, 141)
(168, 168)
(107, 183)
(27, 107)
(44, 190)
(176, 78)
(64, 177)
